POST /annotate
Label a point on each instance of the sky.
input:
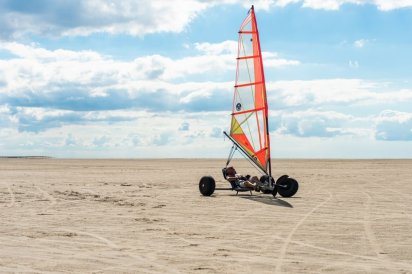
(154, 79)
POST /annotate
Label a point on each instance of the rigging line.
(237, 127)
(248, 70)
(245, 120)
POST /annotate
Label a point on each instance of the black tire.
(287, 187)
(207, 185)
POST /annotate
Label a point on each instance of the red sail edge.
(249, 127)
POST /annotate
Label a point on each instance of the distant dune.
(26, 157)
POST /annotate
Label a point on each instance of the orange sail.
(249, 127)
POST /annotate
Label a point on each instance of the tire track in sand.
(367, 218)
(47, 196)
(251, 211)
(288, 239)
(93, 235)
(334, 251)
(153, 261)
(12, 197)
(382, 257)
(370, 234)
(398, 264)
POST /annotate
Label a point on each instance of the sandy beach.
(147, 216)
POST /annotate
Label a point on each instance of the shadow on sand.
(269, 200)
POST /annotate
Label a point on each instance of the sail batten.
(247, 57)
(249, 128)
(247, 111)
(247, 84)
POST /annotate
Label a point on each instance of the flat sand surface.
(147, 216)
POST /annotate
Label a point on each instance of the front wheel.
(207, 185)
(287, 187)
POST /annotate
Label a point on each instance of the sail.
(249, 127)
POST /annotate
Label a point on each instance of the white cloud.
(34, 52)
(311, 123)
(37, 70)
(384, 5)
(258, 4)
(4, 109)
(394, 126)
(86, 17)
(198, 65)
(272, 60)
(360, 43)
(322, 4)
(46, 89)
(318, 92)
(284, 3)
(142, 136)
(394, 116)
(334, 92)
(314, 109)
(137, 18)
(225, 47)
(127, 106)
(184, 126)
(47, 96)
(54, 75)
(82, 18)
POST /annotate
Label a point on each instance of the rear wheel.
(286, 186)
(207, 185)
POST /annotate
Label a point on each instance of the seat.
(235, 182)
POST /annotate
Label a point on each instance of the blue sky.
(144, 79)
